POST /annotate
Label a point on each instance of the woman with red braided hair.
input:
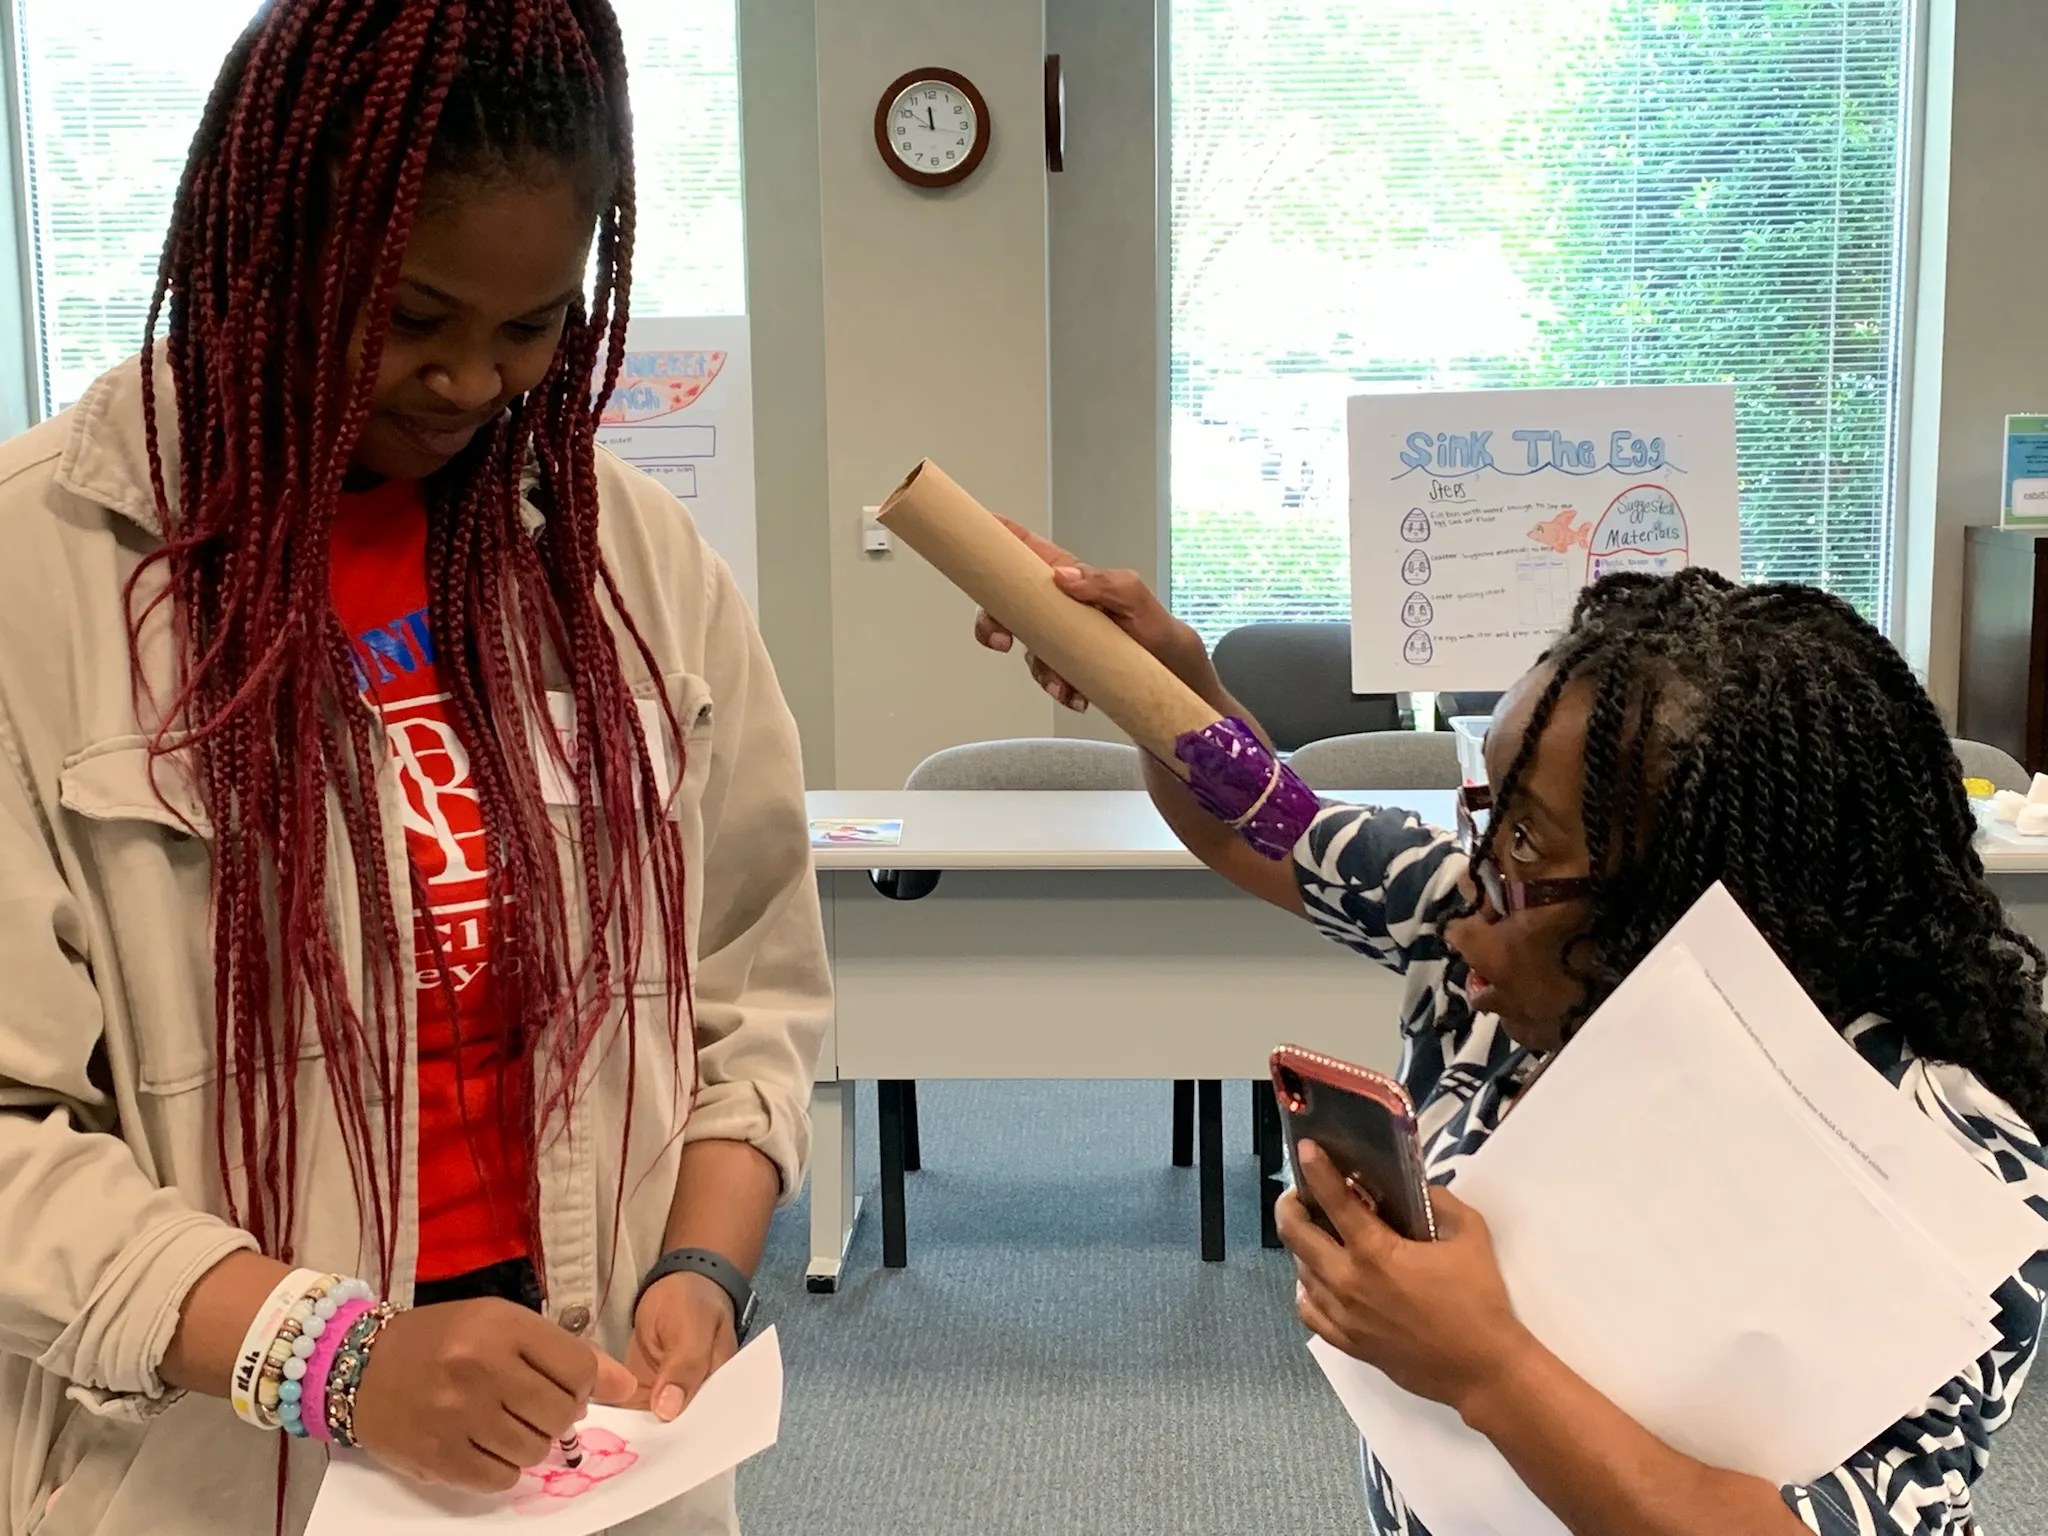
(414, 970)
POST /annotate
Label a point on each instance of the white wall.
(935, 345)
(1109, 288)
(1981, 332)
(786, 295)
(1008, 328)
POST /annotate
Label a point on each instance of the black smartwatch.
(713, 1266)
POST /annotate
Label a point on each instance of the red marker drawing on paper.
(603, 1456)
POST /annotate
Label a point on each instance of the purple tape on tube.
(1236, 779)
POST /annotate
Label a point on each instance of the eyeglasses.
(1502, 894)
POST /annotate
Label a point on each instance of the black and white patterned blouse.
(1381, 883)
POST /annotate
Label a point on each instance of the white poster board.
(1476, 518)
(684, 412)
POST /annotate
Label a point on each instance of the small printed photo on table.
(856, 834)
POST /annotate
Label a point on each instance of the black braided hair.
(1770, 738)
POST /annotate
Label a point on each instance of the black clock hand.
(930, 121)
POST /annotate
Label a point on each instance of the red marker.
(572, 1449)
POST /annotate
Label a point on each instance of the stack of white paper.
(1716, 1213)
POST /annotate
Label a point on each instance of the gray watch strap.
(712, 1266)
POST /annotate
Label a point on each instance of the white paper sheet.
(1425, 1445)
(632, 1463)
(1987, 1230)
(1714, 1211)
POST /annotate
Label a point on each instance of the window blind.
(112, 89)
(692, 252)
(1462, 194)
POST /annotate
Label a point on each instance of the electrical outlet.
(874, 538)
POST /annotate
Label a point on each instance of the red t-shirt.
(475, 1180)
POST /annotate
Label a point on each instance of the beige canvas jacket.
(110, 1204)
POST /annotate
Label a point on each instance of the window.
(691, 257)
(112, 90)
(1461, 194)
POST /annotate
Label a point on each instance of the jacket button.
(575, 1319)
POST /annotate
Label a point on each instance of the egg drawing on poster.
(1478, 516)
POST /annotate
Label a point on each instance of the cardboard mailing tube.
(971, 549)
(1230, 771)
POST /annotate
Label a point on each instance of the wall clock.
(932, 127)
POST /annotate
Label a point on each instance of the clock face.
(933, 127)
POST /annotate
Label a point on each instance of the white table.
(1071, 936)
(2018, 869)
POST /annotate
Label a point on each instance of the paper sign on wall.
(2026, 473)
(684, 412)
(1476, 517)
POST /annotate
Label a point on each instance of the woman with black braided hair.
(414, 969)
(1681, 731)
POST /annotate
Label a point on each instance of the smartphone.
(1365, 1124)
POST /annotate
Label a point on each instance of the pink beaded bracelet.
(320, 1365)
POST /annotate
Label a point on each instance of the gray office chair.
(1981, 760)
(1043, 763)
(1380, 760)
(1032, 763)
(1296, 680)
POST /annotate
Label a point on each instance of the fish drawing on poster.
(1643, 529)
(1477, 518)
(682, 411)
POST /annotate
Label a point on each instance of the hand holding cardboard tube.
(1123, 596)
(1229, 770)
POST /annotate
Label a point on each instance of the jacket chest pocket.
(146, 845)
(683, 768)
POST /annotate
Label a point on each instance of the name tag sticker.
(556, 787)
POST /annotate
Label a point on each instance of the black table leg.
(913, 1154)
(890, 1117)
(1211, 1092)
(1183, 1123)
(1271, 1156)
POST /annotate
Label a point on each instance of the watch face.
(933, 127)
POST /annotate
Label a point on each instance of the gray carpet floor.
(1058, 1359)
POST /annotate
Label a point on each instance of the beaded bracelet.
(347, 1374)
(255, 1350)
(297, 1337)
(296, 1340)
(306, 1380)
(266, 1386)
